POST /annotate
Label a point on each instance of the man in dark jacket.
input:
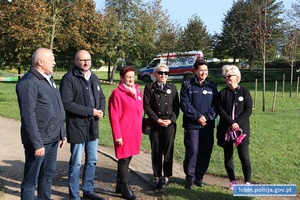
(84, 103)
(42, 124)
(198, 104)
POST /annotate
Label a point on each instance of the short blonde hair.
(231, 68)
(160, 66)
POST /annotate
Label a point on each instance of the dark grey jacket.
(81, 125)
(41, 110)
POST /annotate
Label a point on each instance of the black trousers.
(243, 152)
(162, 148)
(198, 148)
(123, 167)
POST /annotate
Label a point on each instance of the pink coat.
(125, 115)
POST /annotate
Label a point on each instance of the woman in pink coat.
(125, 107)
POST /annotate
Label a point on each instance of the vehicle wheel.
(146, 78)
(188, 76)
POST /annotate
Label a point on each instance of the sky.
(211, 12)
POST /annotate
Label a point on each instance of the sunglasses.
(229, 75)
(163, 72)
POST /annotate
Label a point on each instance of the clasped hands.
(98, 113)
(164, 122)
(202, 120)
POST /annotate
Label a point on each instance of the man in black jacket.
(42, 124)
(84, 103)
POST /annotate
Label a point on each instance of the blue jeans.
(39, 171)
(90, 149)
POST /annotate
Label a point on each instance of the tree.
(134, 32)
(240, 32)
(291, 48)
(111, 39)
(262, 29)
(22, 32)
(165, 32)
(82, 28)
(194, 36)
(234, 40)
(58, 9)
(120, 32)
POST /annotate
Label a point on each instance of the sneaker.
(164, 183)
(232, 183)
(189, 184)
(199, 182)
(156, 184)
(247, 183)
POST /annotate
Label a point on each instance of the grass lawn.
(274, 147)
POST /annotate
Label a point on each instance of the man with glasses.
(161, 104)
(84, 104)
(198, 104)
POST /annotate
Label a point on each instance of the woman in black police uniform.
(161, 104)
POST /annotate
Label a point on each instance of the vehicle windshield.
(154, 63)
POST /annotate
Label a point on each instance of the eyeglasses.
(163, 72)
(84, 60)
(229, 75)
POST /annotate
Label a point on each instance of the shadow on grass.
(177, 191)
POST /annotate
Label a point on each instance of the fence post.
(283, 83)
(274, 98)
(297, 87)
(255, 94)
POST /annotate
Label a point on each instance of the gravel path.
(12, 163)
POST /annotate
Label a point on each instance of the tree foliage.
(245, 30)
(82, 29)
(134, 31)
(22, 31)
(194, 36)
(234, 41)
(291, 45)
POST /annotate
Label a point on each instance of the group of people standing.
(80, 102)
(200, 103)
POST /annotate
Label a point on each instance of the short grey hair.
(39, 54)
(231, 68)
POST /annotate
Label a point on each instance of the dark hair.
(199, 63)
(126, 69)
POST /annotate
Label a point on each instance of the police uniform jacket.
(197, 100)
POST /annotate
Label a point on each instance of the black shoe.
(156, 184)
(199, 182)
(189, 184)
(164, 184)
(127, 193)
(93, 196)
(118, 188)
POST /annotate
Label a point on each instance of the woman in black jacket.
(161, 104)
(235, 108)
